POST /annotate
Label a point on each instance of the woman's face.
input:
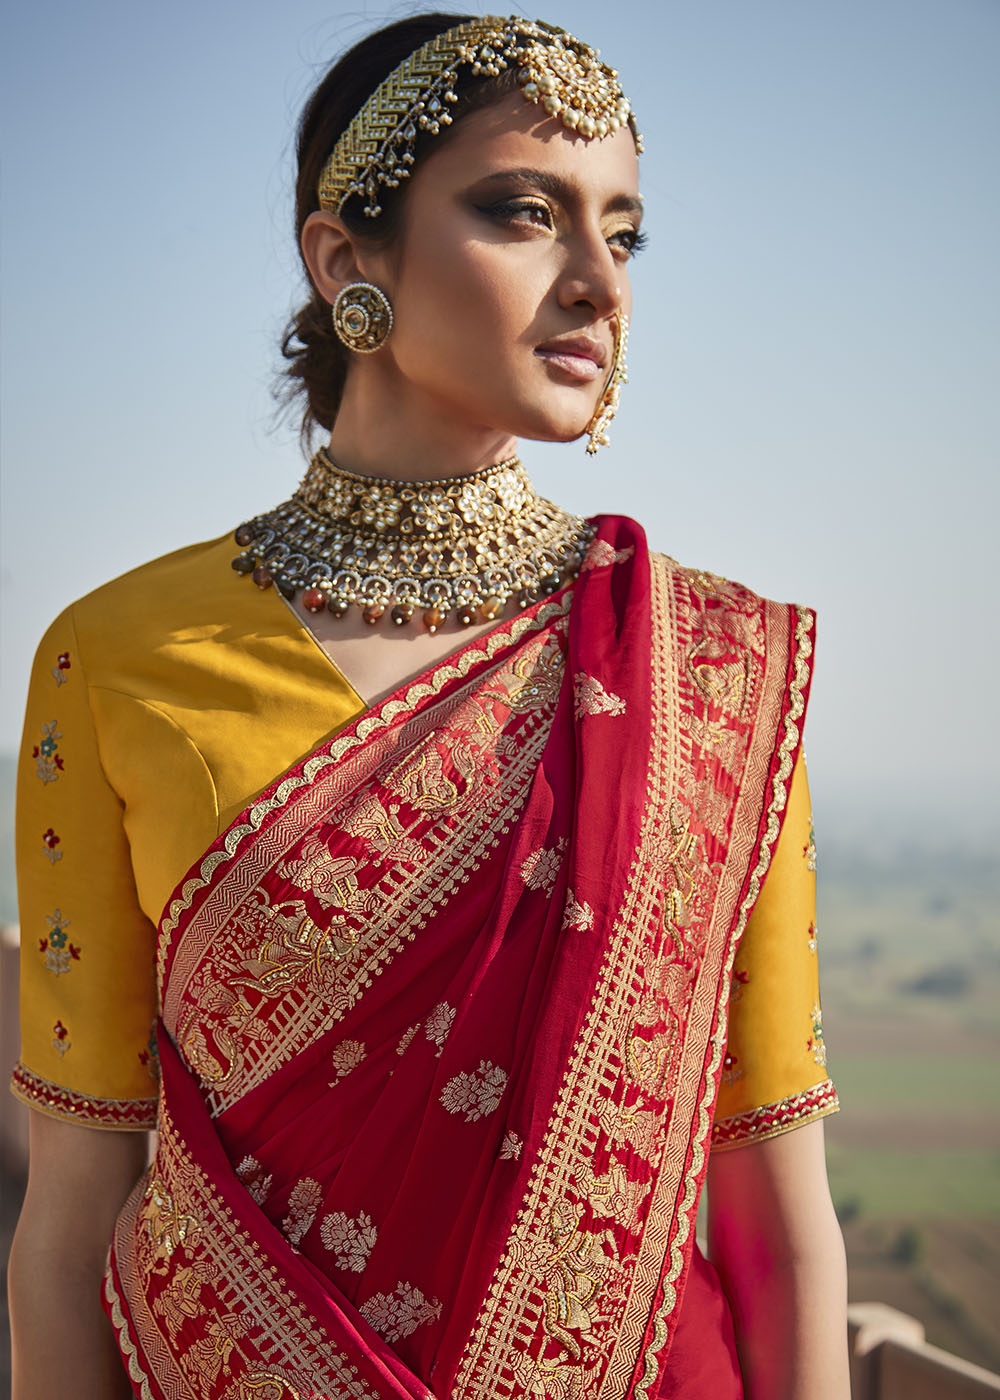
(510, 270)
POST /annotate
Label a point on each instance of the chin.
(545, 427)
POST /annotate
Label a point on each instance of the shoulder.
(713, 588)
(175, 591)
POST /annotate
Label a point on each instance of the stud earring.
(362, 317)
(609, 400)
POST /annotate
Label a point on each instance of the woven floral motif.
(601, 554)
(510, 1148)
(476, 1094)
(347, 1056)
(540, 868)
(50, 841)
(258, 1186)
(397, 1314)
(350, 1240)
(60, 668)
(438, 1024)
(578, 915)
(303, 1204)
(591, 698)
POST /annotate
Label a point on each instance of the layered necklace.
(464, 545)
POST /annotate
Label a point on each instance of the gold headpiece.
(566, 76)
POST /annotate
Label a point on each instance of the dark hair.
(317, 362)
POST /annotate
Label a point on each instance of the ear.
(330, 254)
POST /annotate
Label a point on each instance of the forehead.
(513, 133)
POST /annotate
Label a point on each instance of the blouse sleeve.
(88, 993)
(774, 1075)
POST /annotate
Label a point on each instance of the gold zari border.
(121, 1115)
(772, 1119)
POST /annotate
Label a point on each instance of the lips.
(580, 357)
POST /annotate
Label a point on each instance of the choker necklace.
(465, 544)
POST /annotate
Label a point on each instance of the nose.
(592, 278)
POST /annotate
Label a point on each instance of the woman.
(445, 950)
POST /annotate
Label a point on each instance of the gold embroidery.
(386, 714)
(771, 1119)
(601, 554)
(476, 1094)
(303, 1203)
(510, 1148)
(347, 1056)
(167, 1224)
(438, 1025)
(577, 915)
(787, 746)
(252, 1318)
(397, 1314)
(351, 1240)
(591, 698)
(540, 869)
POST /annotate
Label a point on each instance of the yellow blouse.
(160, 705)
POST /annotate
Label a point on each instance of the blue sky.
(813, 405)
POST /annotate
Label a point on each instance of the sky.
(815, 355)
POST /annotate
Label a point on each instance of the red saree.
(444, 1014)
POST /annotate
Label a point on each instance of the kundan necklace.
(465, 544)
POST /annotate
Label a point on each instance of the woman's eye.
(630, 240)
(522, 211)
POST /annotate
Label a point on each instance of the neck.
(392, 430)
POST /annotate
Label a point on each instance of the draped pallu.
(443, 1013)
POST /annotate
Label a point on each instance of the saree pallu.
(444, 1010)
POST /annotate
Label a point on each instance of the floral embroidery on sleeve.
(730, 1070)
(809, 850)
(48, 761)
(60, 1038)
(150, 1056)
(50, 841)
(58, 951)
(816, 1043)
(60, 668)
(813, 931)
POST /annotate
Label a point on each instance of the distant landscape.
(910, 958)
(909, 942)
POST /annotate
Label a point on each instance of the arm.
(775, 1241)
(78, 1179)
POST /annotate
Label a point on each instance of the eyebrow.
(560, 189)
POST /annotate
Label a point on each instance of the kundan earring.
(608, 405)
(362, 317)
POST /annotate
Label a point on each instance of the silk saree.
(444, 1012)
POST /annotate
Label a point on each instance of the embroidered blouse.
(159, 706)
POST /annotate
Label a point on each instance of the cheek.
(473, 296)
